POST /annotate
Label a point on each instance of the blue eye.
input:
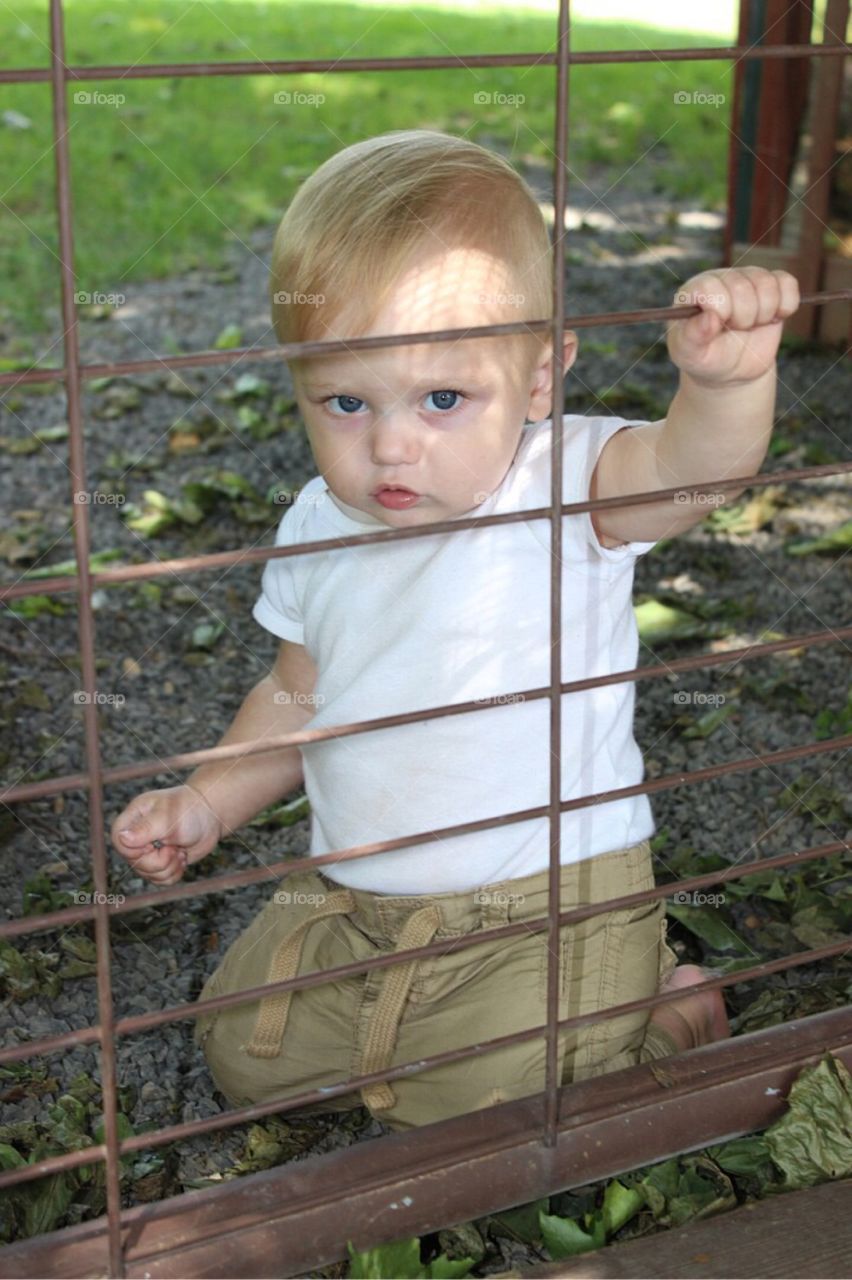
(441, 399)
(348, 404)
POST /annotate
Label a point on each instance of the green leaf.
(67, 568)
(399, 1260)
(47, 1201)
(658, 621)
(283, 815)
(744, 1156)
(205, 635)
(248, 384)
(813, 1140)
(565, 1238)
(35, 606)
(231, 336)
(708, 924)
(839, 539)
(620, 1204)
(444, 1268)
(709, 722)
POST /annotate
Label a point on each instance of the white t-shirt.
(446, 619)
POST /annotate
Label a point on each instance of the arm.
(279, 703)
(720, 421)
(161, 832)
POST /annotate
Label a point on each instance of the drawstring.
(272, 1015)
(418, 931)
(271, 1022)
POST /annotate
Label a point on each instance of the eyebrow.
(432, 384)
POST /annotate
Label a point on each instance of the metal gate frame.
(519, 1150)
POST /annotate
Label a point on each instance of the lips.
(396, 497)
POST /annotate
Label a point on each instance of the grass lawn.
(164, 178)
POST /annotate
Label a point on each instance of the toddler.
(407, 232)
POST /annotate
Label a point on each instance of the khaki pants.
(321, 1036)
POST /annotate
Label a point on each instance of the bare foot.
(699, 1018)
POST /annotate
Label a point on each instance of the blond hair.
(357, 220)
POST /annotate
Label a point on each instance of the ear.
(541, 385)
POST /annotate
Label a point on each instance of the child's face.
(443, 420)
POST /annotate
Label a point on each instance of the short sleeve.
(583, 443)
(277, 608)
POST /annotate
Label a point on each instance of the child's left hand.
(736, 336)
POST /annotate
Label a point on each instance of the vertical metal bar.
(553, 966)
(827, 88)
(85, 627)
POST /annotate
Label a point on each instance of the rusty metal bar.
(825, 106)
(277, 1106)
(277, 1223)
(128, 573)
(456, 61)
(730, 1054)
(85, 630)
(289, 350)
(146, 1021)
(554, 885)
(189, 759)
(665, 783)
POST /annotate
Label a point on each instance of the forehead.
(441, 289)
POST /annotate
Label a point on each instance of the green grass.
(168, 178)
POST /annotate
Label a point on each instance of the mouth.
(395, 496)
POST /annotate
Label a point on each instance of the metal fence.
(288, 1219)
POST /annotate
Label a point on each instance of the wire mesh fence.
(99, 774)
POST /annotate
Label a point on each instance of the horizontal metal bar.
(667, 782)
(458, 61)
(240, 1115)
(290, 350)
(145, 1022)
(259, 555)
(280, 1223)
(189, 759)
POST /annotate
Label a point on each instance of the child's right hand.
(182, 823)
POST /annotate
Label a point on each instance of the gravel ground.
(632, 252)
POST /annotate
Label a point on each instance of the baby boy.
(418, 231)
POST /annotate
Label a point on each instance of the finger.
(708, 291)
(698, 330)
(767, 295)
(134, 828)
(154, 861)
(743, 290)
(790, 294)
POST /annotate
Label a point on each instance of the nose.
(395, 439)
